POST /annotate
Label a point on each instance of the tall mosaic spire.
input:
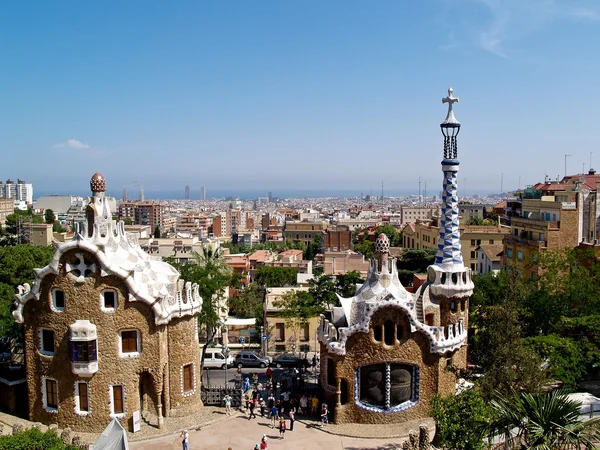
(449, 252)
(448, 276)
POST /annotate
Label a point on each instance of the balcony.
(526, 223)
(524, 241)
(84, 369)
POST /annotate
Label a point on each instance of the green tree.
(564, 357)
(249, 303)
(157, 232)
(498, 343)
(391, 232)
(16, 267)
(417, 260)
(346, 283)
(544, 421)
(476, 220)
(461, 421)
(323, 290)
(275, 276)
(366, 248)
(585, 332)
(34, 439)
(49, 216)
(313, 247)
(297, 307)
(213, 276)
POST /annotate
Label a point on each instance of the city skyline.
(276, 96)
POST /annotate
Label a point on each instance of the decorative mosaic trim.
(78, 412)
(53, 306)
(47, 408)
(449, 251)
(41, 343)
(388, 409)
(185, 393)
(112, 401)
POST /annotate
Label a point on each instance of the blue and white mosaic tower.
(449, 277)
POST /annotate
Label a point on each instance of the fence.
(214, 395)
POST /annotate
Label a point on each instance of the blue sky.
(269, 95)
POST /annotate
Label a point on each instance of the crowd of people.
(281, 401)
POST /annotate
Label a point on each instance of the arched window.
(388, 332)
(378, 332)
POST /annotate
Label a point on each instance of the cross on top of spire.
(450, 119)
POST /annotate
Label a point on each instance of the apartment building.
(7, 206)
(337, 238)
(548, 222)
(142, 213)
(304, 232)
(20, 191)
(424, 234)
(410, 214)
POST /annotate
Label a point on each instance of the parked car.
(251, 359)
(286, 360)
(215, 358)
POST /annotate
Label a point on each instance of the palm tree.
(542, 421)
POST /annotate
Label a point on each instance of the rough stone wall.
(82, 302)
(183, 350)
(362, 349)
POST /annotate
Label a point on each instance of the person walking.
(292, 415)
(263, 406)
(227, 400)
(185, 440)
(263, 442)
(251, 415)
(281, 428)
(324, 415)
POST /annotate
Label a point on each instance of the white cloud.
(505, 23)
(72, 143)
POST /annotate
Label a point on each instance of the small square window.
(58, 300)
(47, 342)
(129, 342)
(109, 300)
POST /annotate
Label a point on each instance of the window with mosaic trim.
(374, 391)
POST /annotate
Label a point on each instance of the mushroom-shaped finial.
(98, 183)
(382, 244)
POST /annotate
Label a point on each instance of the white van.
(214, 358)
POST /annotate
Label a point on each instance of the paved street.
(239, 433)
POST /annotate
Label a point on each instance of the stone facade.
(108, 331)
(386, 352)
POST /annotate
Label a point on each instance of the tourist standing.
(292, 415)
(227, 400)
(303, 404)
(314, 405)
(274, 415)
(185, 439)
